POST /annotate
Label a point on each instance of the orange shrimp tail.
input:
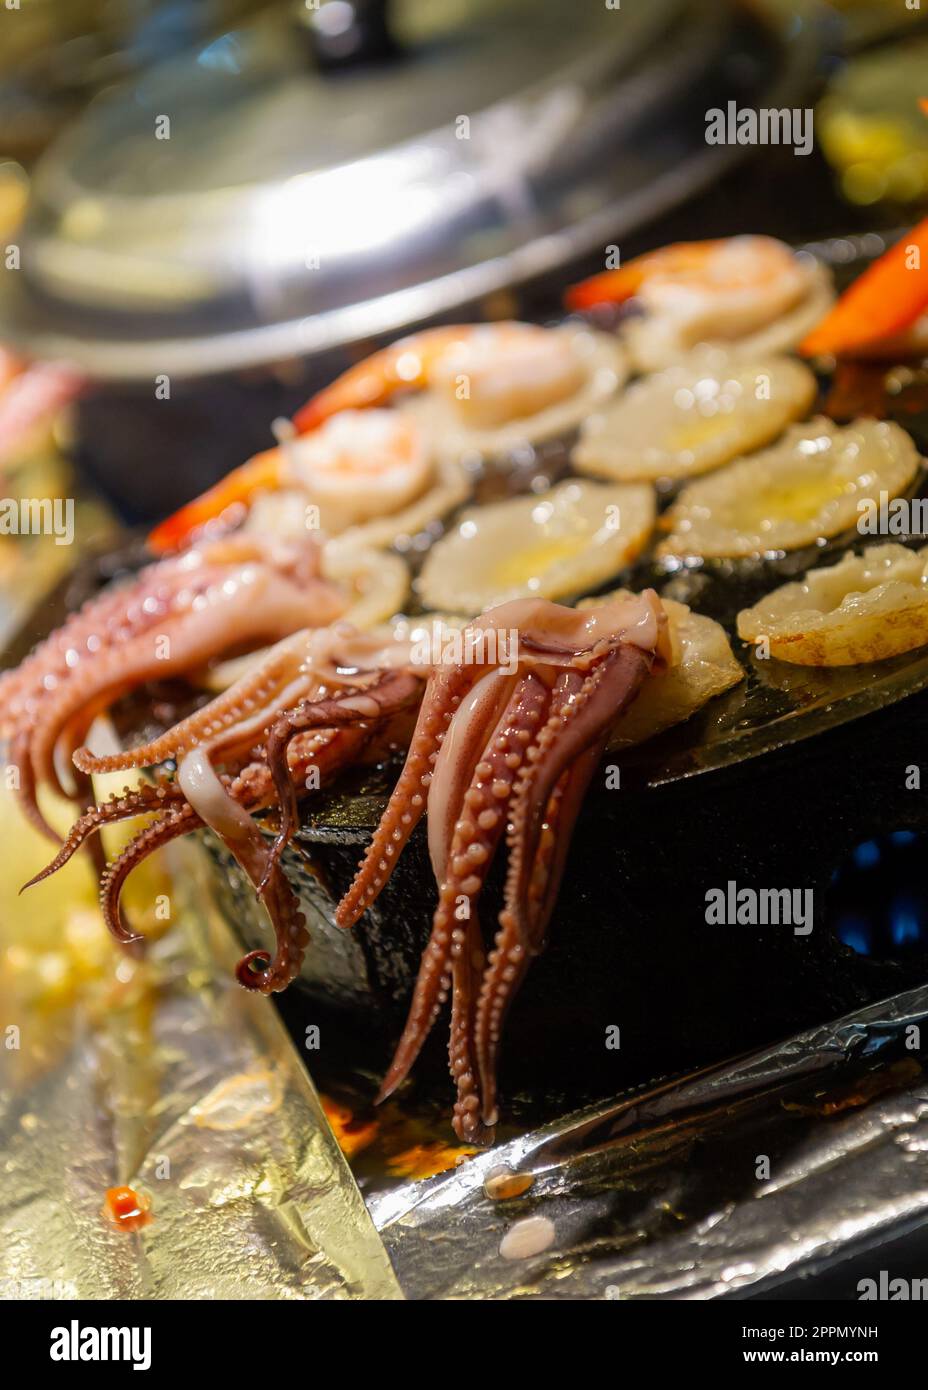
(405, 365)
(885, 300)
(615, 286)
(264, 471)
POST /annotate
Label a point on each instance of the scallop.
(376, 581)
(865, 608)
(509, 385)
(559, 543)
(703, 667)
(694, 417)
(812, 485)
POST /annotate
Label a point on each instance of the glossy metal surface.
(661, 1194)
(293, 209)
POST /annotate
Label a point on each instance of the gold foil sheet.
(161, 1073)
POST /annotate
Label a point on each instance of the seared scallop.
(693, 417)
(503, 385)
(703, 666)
(559, 543)
(813, 484)
(865, 608)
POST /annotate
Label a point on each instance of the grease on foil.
(159, 1077)
(657, 1195)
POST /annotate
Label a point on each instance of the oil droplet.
(527, 1237)
(502, 1184)
(126, 1208)
(240, 1101)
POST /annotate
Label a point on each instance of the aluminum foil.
(723, 1182)
(164, 1075)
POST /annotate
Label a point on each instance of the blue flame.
(906, 922)
(867, 855)
(854, 931)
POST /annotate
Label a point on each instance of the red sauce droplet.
(124, 1207)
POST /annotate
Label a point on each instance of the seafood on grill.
(693, 417)
(503, 723)
(865, 608)
(505, 385)
(173, 618)
(378, 453)
(703, 667)
(751, 293)
(273, 589)
(810, 486)
(368, 478)
(554, 544)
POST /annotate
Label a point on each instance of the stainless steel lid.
(339, 170)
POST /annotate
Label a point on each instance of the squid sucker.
(504, 729)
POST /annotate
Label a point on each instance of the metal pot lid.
(339, 170)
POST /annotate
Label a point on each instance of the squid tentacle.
(475, 838)
(472, 1119)
(26, 787)
(522, 925)
(255, 971)
(160, 832)
(580, 718)
(546, 802)
(248, 695)
(443, 694)
(133, 802)
(50, 658)
(218, 805)
(395, 690)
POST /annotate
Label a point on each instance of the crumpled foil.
(721, 1182)
(665, 1194)
(187, 1089)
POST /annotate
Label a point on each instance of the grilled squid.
(173, 619)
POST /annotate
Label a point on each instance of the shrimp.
(353, 467)
(719, 291)
(405, 365)
(357, 460)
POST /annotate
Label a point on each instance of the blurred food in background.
(872, 130)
